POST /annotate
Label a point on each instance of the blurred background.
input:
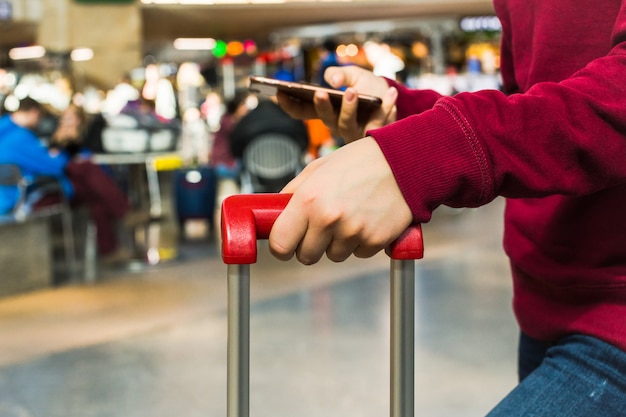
(87, 47)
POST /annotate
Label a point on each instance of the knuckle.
(280, 251)
(324, 215)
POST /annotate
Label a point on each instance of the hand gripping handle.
(247, 218)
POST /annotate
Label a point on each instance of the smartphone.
(304, 92)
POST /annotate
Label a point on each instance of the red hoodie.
(554, 144)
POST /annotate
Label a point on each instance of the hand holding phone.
(305, 92)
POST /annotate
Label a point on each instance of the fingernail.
(350, 95)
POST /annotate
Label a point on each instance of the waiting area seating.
(24, 230)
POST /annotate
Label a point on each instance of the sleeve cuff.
(436, 159)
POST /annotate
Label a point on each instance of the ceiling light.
(81, 54)
(195, 44)
(27, 52)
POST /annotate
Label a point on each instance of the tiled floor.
(152, 342)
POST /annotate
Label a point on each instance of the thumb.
(342, 76)
(387, 112)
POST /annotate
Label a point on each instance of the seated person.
(69, 134)
(221, 157)
(83, 182)
(144, 111)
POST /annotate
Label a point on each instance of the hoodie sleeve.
(558, 137)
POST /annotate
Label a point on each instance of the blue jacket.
(20, 146)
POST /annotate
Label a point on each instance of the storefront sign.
(480, 23)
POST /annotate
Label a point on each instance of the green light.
(220, 49)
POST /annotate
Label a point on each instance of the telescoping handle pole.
(249, 217)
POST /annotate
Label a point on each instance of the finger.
(324, 109)
(389, 101)
(313, 245)
(367, 251)
(340, 249)
(393, 116)
(347, 122)
(347, 76)
(288, 230)
(295, 108)
(359, 78)
(387, 112)
(335, 76)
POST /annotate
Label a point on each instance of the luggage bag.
(195, 192)
(248, 218)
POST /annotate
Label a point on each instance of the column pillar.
(112, 30)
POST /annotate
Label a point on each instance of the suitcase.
(195, 191)
(247, 218)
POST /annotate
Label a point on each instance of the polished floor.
(152, 341)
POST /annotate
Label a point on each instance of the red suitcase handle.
(247, 218)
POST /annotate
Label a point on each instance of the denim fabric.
(531, 353)
(579, 376)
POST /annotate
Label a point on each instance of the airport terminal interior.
(146, 336)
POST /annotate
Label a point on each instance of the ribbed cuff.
(436, 159)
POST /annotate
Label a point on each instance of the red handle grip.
(247, 218)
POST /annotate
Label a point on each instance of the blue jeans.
(578, 376)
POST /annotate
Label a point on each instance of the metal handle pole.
(238, 372)
(247, 218)
(402, 338)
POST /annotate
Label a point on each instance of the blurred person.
(83, 182)
(189, 81)
(212, 110)
(384, 62)
(120, 95)
(144, 111)
(195, 138)
(553, 143)
(285, 70)
(160, 91)
(227, 166)
(70, 132)
(328, 58)
(221, 157)
(19, 145)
